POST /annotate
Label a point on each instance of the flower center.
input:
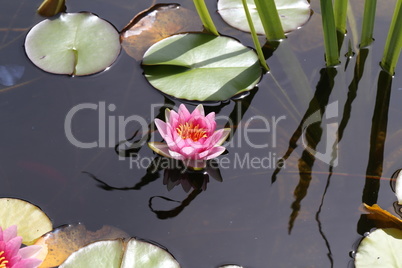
(3, 261)
(188, 130)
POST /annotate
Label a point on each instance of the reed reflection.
(377, 146)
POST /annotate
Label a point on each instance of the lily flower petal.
(11, 253)
(162, 127)
(10, 233)
(160, 148)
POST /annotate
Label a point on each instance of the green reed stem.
(205, 17)
(330, 39)
(393, 44)
(340, 9)
(368, 23)
(270, 19)
(257, 44)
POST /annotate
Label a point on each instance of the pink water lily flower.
(191, 138)
(11, 253)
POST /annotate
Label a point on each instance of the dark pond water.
(306, 214)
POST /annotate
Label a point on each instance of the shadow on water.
(352, 93)
(310, 126)
(377, 145)
(174, 174)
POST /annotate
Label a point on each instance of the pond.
(260, 212)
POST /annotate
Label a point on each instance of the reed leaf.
(368, 23)
(393, 44)
(205, 16)
(340, 13)
(330, 39)
(270, 19)
(255, 37)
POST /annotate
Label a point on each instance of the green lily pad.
(107, 254)
(73, 43)
(201, 67)
(381, 248)
(31, 221)
(140, 254)
(293, 14)
(120, 254)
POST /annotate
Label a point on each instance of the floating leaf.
(61, 242)
(107, 254)
(381, 248)
(31, 221)
(293, 14)
(73, 43)
(143, 254)
(382, 217)
(154, 24)
(116, 253)
(201, 67)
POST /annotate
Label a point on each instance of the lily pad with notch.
(73, 43)
(201, 67)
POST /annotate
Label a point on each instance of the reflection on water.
(174, 174)
(305, 213)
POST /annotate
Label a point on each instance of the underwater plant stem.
(368, 23)
(393, 44)
(270, 19)
(205, 17)
(254, 36)
(330, 39)
(340, 9)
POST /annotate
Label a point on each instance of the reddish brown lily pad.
(155, 24)
(61, 242)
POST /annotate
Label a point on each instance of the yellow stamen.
(188, 130)
(3, 261)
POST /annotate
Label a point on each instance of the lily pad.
(201, 67)
(140, 254)
(155, 24)
(293, 14)
(58, 244)
(117, 253)
(107, 254)
(381, 248)
(73, 43)
(31, 221)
